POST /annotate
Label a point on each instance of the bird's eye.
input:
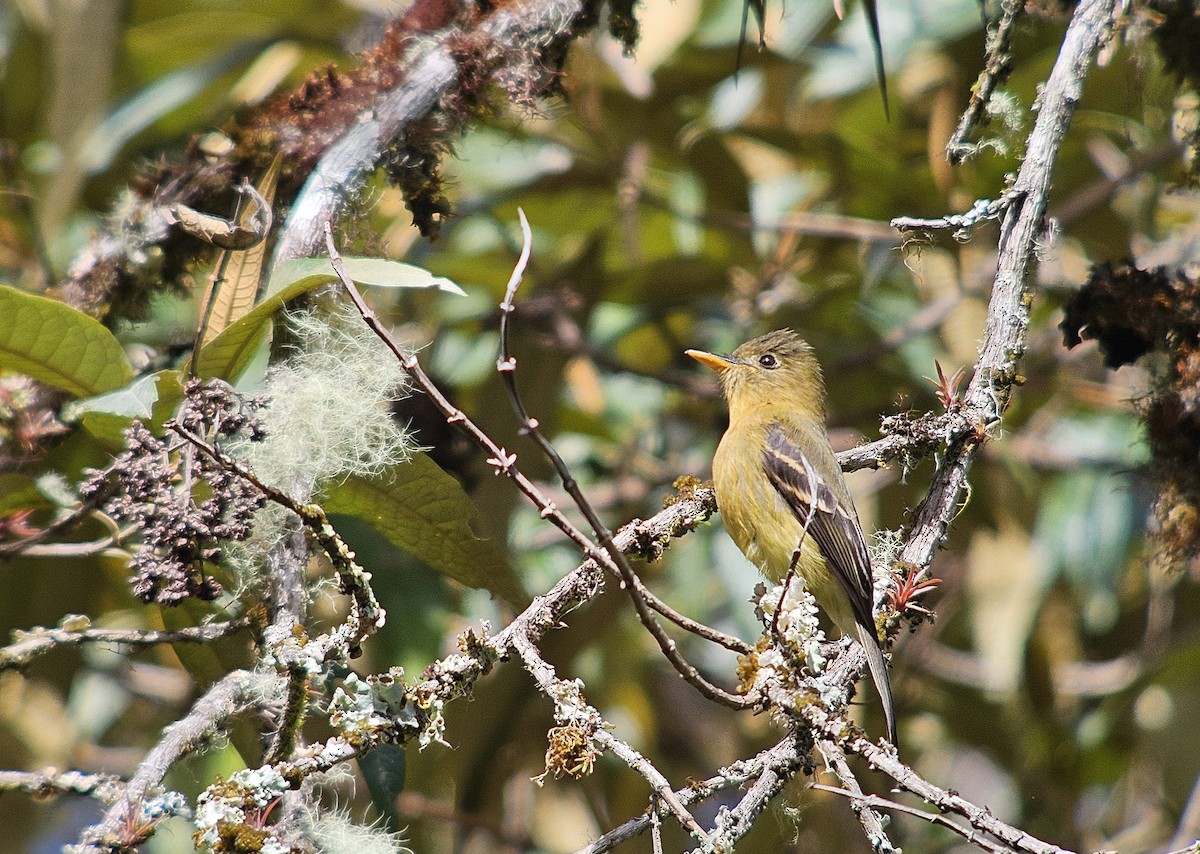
(768, 360)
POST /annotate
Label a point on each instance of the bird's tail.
(879, 675)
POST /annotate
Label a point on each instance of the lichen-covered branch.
(74, 631)
(872, 822)
(781, 760)
(207, 719)
(514, 43)
(995, 70)
(996, 372)
(884, 759)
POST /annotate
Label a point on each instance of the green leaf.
(152, 399)
(229, 354)
(372, 272)
(424, 511)
(19, 492)
(384, 768)
(59, 346)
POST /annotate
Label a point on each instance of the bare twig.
(883, 758)
(506, 365)
(688, 624)
(872, 823)
(30, 644)
(782, 759)
(869, 803)
(608, 555)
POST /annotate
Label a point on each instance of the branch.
(868, 803)
(527, 29)
(570, 709)
(506, 365)
(609, 555)
(994, 72)
(990, 389)
(366, 615)
(884, 759)
(872, 822)
(230, 696)
(783, 759)
(455, 675)
(42, 784)
(30, 644)
(963, 224)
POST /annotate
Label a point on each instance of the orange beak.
(712, 361)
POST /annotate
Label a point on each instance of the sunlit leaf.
(243, 274)
(59, 346)
(151, 399)
(424, 511)
(229, 354)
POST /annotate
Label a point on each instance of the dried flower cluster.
(184, 503)
(1131, 312)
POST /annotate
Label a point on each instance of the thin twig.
(366, 616)
(688, 624)
(883, 758)
(506, 365)
(607, 554)
(869, 803)
(571, 708)
(994, 72)
(455, 675)
(31, 644)
(783, 758)
(872, 823)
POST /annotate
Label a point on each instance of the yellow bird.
(777, 481)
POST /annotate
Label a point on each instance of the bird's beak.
(720, 364)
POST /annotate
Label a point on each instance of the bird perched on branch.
(780, 490)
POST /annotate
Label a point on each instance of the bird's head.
(776, 371)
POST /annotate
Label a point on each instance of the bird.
(777, 480)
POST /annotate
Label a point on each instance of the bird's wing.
(828, 521)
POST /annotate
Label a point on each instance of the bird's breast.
(754, 513)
